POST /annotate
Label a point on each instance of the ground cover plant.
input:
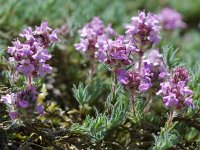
(99, 75)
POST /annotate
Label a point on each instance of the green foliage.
(138, 113)
(89, 93)
(195, 78)
(169, 58)
(165, 141)
(12, 11)
(190, 44)
(81, 94)
(97, 127)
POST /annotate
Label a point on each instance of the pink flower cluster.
(30, 57)
(23, 104)
(171, 19)
(90, 33)
(31, 54)
(115, 53)
(146, 72)
(118, 54)
(175, 92)
(151, 75)
(144, 30)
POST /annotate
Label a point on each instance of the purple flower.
(122, 76)
(31, 54)
(93, 28)
(175, 92)
(188, 102)
(186, 90)
(13, 115)
(136, 81)
(103, 45)
(28, 34)
(82, 46)
(53, 36)
(144, 29)
(8, 99)
(144, 87)
(154, 57)
(180, 74)
(153, 70)
(42, 55)
(44, 69)
(114, 53)
(26, 68)
(23, 103)
(90, 34)
(171, 19)
(148, 78)
(43, 28)
(164, 89)
(162, 75)
(170, 101)
(130, 80)
(40, 109)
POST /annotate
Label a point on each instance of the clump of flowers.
(22, 105)
(90, 34)
(175, 92)
(115, 53)
(144, 30)
(29, 58)
(171, 19)
(31, 54)
(145, 78)
(148, 78)
(144, 74)
(118, 54)
(154, 66)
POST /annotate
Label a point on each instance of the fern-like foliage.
(81, 93)
(87, 94)
(96, 128)
(138, 113)
(165, 140)
(169, 57)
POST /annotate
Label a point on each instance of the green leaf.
(169, 57)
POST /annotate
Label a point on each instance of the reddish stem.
(30, 80)
(171, 116)
(147, 108)
(140, 63)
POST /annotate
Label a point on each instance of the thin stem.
(91, 71)
(147, 108)
(133, 100)
(140, 63)
(171, 116)
(114, 84)
(29, 80)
